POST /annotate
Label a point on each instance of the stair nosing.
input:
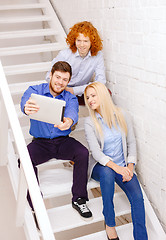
(38, 48)
(25, 19)
(103, 232)
(28, 33)
(79, 222)
(21, 6)
(18, 88)
(27, 68)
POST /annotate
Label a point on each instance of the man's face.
(83, 44)
(58, 82)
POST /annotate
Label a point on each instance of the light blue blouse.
(113, 146)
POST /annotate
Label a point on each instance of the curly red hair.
(89, 30)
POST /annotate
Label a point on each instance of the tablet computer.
(51, 109)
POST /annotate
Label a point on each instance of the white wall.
(134, 34)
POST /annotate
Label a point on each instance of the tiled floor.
(8, 230)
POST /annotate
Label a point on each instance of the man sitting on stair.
(53, 141)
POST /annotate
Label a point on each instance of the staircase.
(31, 36)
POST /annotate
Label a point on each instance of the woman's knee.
(107, 175)
(136, 192)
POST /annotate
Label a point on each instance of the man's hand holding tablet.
(47, 109)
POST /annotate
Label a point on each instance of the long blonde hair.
(111, 114)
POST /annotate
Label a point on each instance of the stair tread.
(124, 232)
(52, 183)
(21, 6)
(45, 47)
(25, 19)
(27, 68)
(60, 217)
(19, 88)
(27, 33)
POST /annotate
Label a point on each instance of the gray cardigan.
(96, 144)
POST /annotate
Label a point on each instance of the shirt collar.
(47, 91)
(62, 94)
(78, 55)
(98, 115)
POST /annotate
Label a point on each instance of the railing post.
(21, 199)
(3, 133)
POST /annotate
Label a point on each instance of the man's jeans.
(107, 178)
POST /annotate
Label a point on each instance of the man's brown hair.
(62, 66)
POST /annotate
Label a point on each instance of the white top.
(82, 69)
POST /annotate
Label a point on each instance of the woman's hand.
(67, 122)
(31, 107)
(126, 172)
(130, 166)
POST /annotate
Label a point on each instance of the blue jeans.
(107, 178)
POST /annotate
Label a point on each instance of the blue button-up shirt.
(82, 69)
(113, 146)
(47, 130)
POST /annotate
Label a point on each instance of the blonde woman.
(111, 140)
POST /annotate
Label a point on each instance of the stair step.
(124, 232)
(27, 19)
(38, 48)
(57, 181)
(27, 33)
(27, 68)
(60, 217)
(19, 88)
(21, 6)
